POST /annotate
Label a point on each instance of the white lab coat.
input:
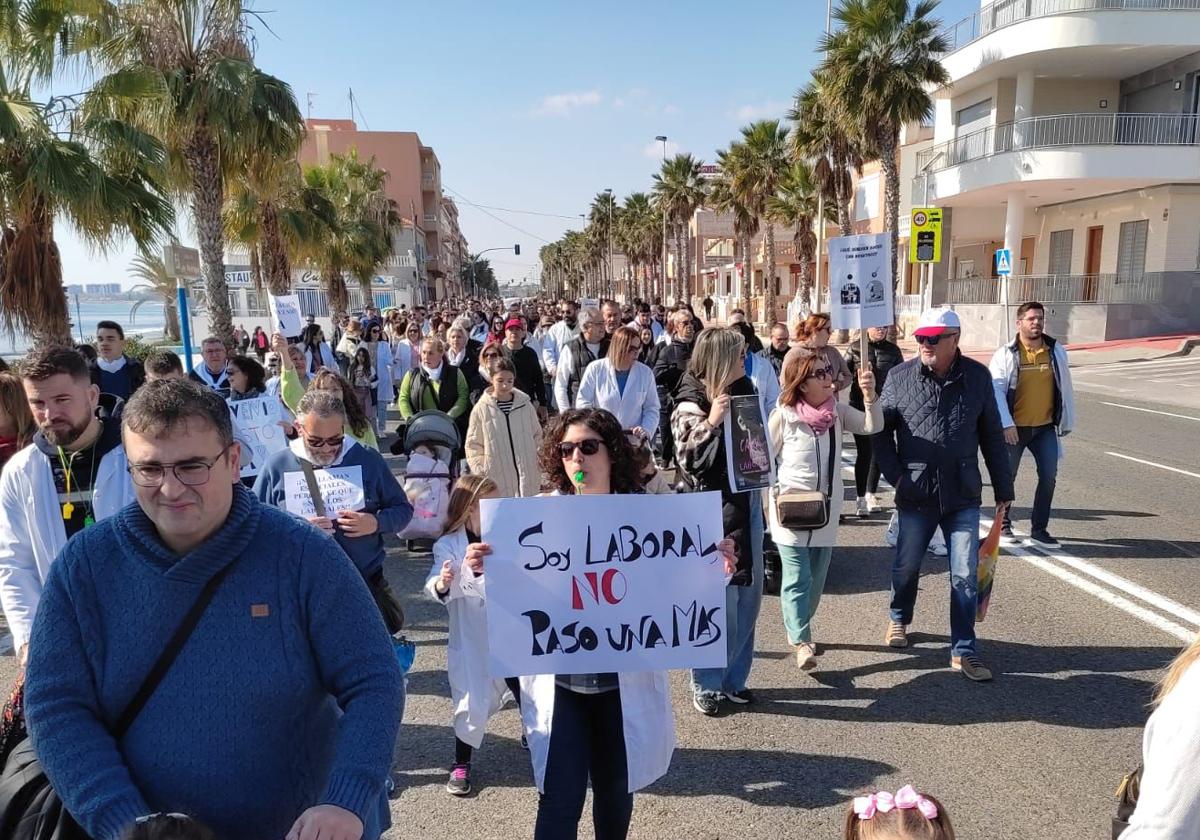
(31, 527)
(556, 338)
(476, 695)
(638, 406)
(384, 371)
(762, 374)
(327, 358)
(646, 717)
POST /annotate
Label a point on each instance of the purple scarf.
(820, 418)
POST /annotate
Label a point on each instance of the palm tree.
(638, 233)
(603, 218)
(763, 163)
(726, 199)
(795, 206)
(150, 269)
(184, 71)
(680, 187)
(59, 164)
(882, 64)
(820, 136)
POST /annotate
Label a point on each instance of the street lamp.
(662, 138)
(516, 249)
(613, 291)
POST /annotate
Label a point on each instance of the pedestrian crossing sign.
(1003, 262)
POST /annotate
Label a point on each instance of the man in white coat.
(565, 329)
(72, 476)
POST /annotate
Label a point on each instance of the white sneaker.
(873, 503)
(863, 509)
(937, 547)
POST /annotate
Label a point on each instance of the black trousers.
(866, 469)
(462, 750)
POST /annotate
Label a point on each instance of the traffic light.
(517, 250)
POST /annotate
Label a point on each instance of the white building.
(1070, 134)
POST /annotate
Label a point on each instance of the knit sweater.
(244, 732)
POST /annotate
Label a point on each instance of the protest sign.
(285, 315)
(341, 489)
(747, 446)
(257, 423)
(598, 584)
(860, 271)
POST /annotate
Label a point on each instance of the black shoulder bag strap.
(314, 489)
(169, 654)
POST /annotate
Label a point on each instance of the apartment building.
(1070, 135)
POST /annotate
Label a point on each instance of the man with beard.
(72, 476)
(322, 445)
(777, 349)
(611, 311)
(669, 368)
(566, 329)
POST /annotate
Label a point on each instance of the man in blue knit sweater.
(279, 716)
(360, 526)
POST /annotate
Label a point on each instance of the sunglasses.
(821, 374)
(932, 340)
(590, 446)
(317, 443)
(491, 355)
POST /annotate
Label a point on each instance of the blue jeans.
(587, 739)
(1042, 441)
(742, 604)
(961, 530)
(802, 573)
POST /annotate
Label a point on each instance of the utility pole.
(662, 138)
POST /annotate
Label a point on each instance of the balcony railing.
(1063, 130)
(1007, 12)
(1062, 288)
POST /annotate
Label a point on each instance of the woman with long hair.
(458, 566)
(361, 376)
(358, 425)
(261, 343)
(622, 385)
(806, 436)
(616, 729)
(317, 353)
(813, 332)
(380, 351)
(16, 420)
(716, 373)
(1169, 796)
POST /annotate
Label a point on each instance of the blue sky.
(535, 105)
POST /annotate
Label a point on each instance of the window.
(1131, 251)
(968, 118)
(866, 198)
(1060, 251)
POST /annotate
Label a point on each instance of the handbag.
(30, 809)
(807, 510)
(1127, 799)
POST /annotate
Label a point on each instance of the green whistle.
(579, 477)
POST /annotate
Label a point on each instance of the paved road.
(1077, 641)
(1174, 380)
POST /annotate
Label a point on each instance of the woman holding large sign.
(616, 729)
(716, 376)
(806, 432)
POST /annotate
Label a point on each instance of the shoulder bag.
(808, 510)
(30, 809)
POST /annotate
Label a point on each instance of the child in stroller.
(430, 441)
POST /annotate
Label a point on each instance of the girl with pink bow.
(903, 815)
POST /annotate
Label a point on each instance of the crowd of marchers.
(208, 650)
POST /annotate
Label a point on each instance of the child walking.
(456, 580)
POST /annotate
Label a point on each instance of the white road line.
(1174, 361)
(6, 645)
(1128, 587)
(1152, 464)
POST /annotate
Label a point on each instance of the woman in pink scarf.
(806, 436)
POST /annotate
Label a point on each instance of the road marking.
(1150, 410)
(1128, 587)
(6, 645)
(1152, 464)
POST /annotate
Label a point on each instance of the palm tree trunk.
(805, 256)
(747, 276)
(687, 267)
(277, 269)
(335, 289)
(208, 196)
(31, 289)
(769, 279)
(889, 138)
(681, 276)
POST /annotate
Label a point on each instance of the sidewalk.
(1082, 355)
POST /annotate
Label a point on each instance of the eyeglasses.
(491, 355)
(150, 817)
(189, 473)
(317, 443)
(932, 340)
(589, 446)
(821, 374)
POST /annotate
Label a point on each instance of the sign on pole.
(925, 235)
(600, 584)
(285, 315)
(860, 270)
(180, 261)
(1003, 262)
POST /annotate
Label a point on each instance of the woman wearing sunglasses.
(813, 332)
(616, 729)
(806, 435)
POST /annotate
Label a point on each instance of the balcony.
(1067, 288)
(1004, 13)
(1101, 147)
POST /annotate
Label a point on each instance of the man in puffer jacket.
(939, 412)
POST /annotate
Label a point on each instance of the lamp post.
(613, 291)
(662, 138)
(516, 249)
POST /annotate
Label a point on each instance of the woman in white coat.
(616, 729)
(806, 435)
(381, 357)
(622, 385)
(456, 580)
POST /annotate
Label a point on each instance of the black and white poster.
(860, 270)
(748, 446)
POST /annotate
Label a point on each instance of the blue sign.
(1003, 262)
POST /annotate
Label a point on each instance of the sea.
(147, 322)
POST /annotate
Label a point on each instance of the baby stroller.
(430, 441)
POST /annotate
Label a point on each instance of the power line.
(529, 212)
(494, 216)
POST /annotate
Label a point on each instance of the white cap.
(937, 321)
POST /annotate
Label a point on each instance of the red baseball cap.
(512, 323)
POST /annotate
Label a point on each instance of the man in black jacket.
(525, 360)
(939, 413)
(777, 349)
(112, 371)
(669, 368)
(576, 355)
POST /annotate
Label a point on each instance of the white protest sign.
(285, 315)
(341, 489)
(860, 271)
(598, 584)
(257, 423)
